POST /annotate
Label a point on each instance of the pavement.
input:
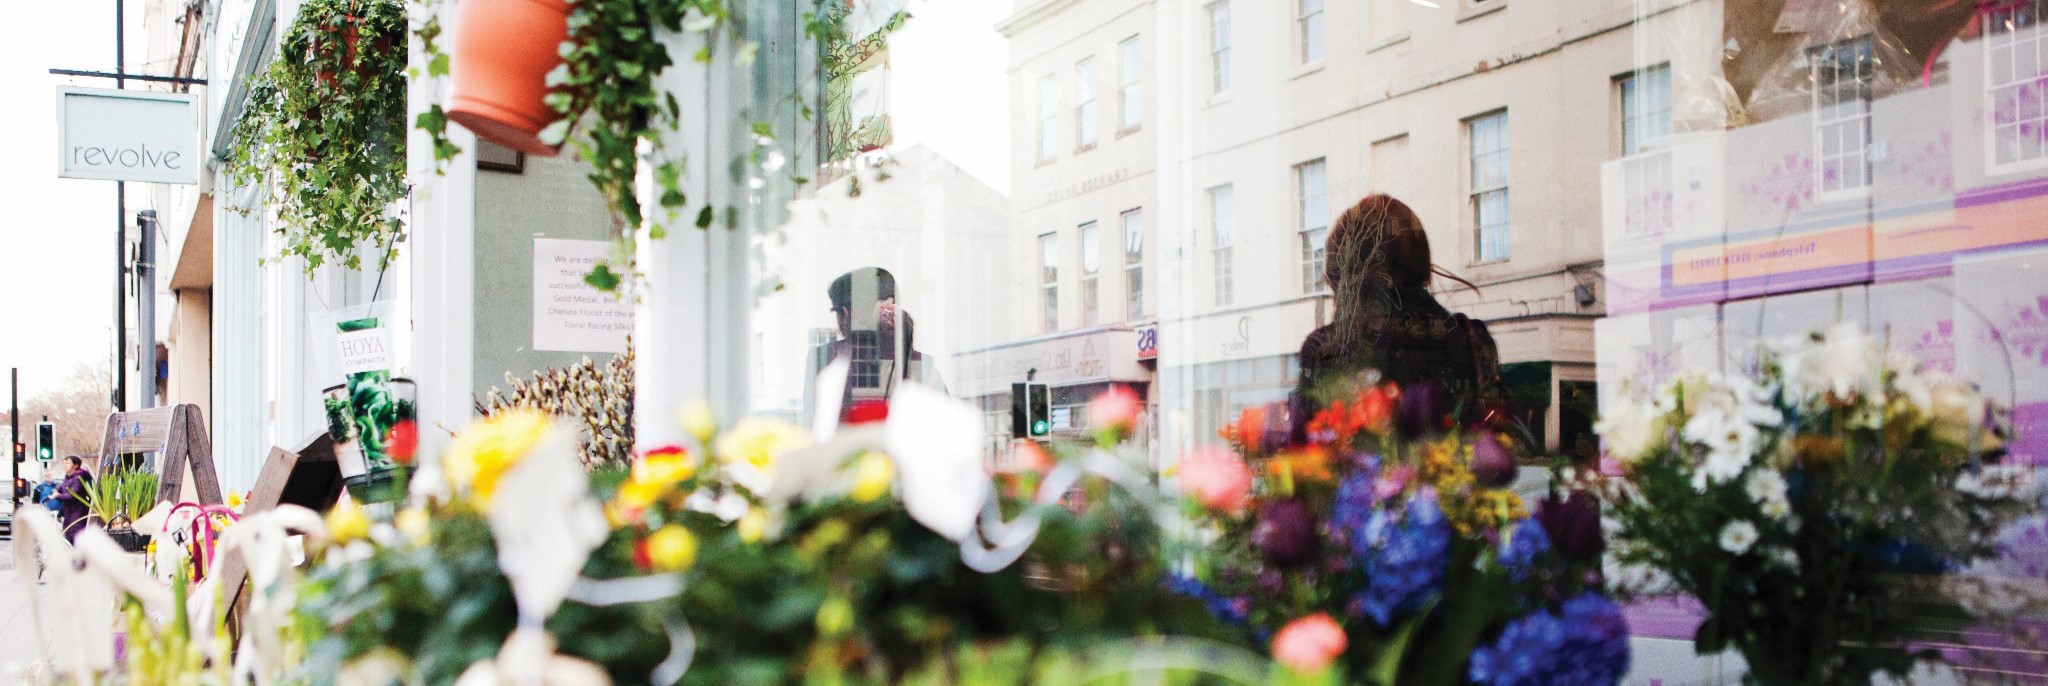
(18, 643)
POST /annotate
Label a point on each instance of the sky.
(55, 249)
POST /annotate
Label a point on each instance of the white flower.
(1997, 482)
(1730, 443)
(1722, 466)
(1767, 487)
(1738, 536)
(1840, 366)
(1954, 409)
(1785, 557)
(1632, 431)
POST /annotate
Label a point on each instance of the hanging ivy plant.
(325, 133)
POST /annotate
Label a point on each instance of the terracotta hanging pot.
(504, 50)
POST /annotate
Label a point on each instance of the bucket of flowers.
(1387, 549)
(1816, 507)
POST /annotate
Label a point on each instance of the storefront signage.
(368, 350)
(127, 136)
(1148, 342)
(1087, 185)
(1091, 357)
(568, 314)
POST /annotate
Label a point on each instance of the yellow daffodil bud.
(699, 421)
(412, 523)
(872, 476)
(346, 522)
(753, 525)
(672, 548)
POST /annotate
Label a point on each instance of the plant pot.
(504, 50)
(129, 539)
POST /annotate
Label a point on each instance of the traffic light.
(1030, 410)
(20, 452)
(46, 441)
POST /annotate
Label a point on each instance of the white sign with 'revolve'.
(115, 135)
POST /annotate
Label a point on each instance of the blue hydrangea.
(1233, 610)
(1354, 506)
(1524, 542)
(1403, 557)
(1584, 643)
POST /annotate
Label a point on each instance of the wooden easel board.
(306, 476)
(178, 435)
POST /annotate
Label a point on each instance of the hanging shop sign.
(115, 135)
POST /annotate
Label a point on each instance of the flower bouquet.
(1808, 508)
(1386, 549)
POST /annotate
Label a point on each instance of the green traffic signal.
(1040, 428)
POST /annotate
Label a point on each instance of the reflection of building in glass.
(1879, 169)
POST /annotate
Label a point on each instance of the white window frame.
(1091, 274)
(1222, 242)
(1048, 118)
(1487, 141)
(2020, 33)
(1132, 221)
(1130, 85)
(1309, 34)
(1087, 123)
(1219, 46)
(1312, 220)
(1049, 281)
(1643, 98)
(1834, 119)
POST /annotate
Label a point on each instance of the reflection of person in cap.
(864, 305)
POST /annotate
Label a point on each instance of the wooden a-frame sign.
(306, 476)
(178, 435)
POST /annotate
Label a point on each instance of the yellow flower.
(235, 500)
(346, 522)
(872, 476)
(412, 523)
(485, 450)
(835, 616)
(753, 525)
(654, 476)
(671, 548)
(759, 440)
(699, 421)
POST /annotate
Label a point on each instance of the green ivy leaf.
(555, 133)
(602, 278)
(704, 217)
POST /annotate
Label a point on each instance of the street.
(17, 627)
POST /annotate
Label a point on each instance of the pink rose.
(1217, 479)
(1309, 644)
(1116, 408)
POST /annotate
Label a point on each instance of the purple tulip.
(1574, 525)
(1424, 410)
(1286, 533)
(1492, 465)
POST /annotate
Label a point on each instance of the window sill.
(1130, 131)
(1470, 11)
(1084, 148)
(1306, 70)
(1487, 263)
(1822, 199)
(1388, 42)
(1044, 162)
(1220, 99)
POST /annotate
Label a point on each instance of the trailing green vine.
(325, 132)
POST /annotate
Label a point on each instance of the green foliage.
(325, 132)
(121, 495)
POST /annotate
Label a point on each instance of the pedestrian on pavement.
(46, 492)
(71, 497)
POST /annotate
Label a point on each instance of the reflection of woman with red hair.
(1379, 270)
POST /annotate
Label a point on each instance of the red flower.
(1309, 644)
(1115, 409)
(867, 411)
(402, 441)
(641, 558)
(1374, 410)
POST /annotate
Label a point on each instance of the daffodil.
(346, 522)
(757, 441)
(412, 523)
(654, 476)
(672, 548)
(698, 420)
(873, 473)
(753, 525)
(484, 451)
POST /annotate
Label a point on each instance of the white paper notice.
(368, 350)
(568, 314)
